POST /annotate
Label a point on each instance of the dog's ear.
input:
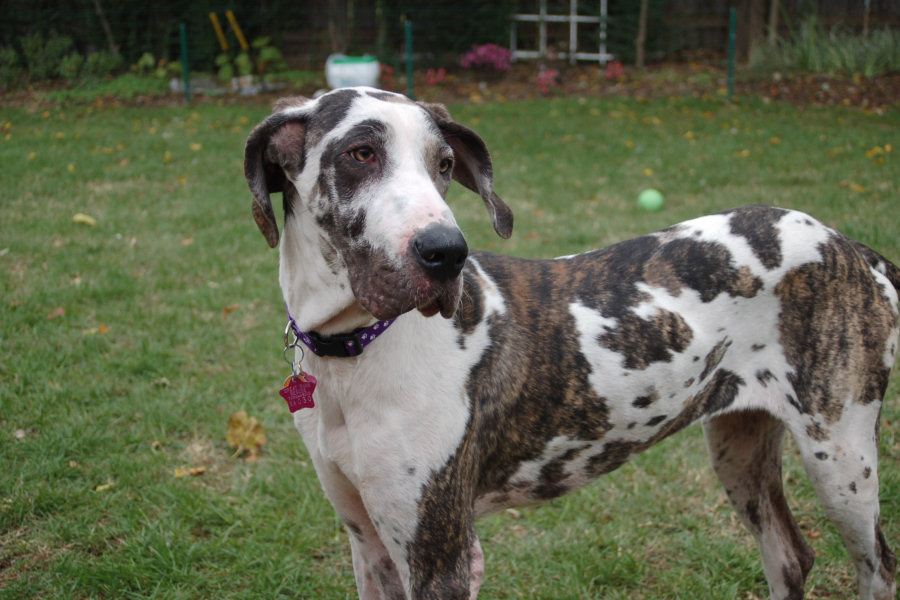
(273, 145)
(473, 166)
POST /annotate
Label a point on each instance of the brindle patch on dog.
(757, 224)
(513, 419)
(812, 300)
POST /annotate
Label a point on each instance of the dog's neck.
(318, 297)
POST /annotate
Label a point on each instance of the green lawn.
(125, 345)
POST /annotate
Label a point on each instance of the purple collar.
(341, 345)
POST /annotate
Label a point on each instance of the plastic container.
(350, 71)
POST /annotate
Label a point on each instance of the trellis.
(574, 20)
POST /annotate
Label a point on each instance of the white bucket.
(349, 71)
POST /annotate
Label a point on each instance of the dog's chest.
(399, 410)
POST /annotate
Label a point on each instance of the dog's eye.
(363, 154)
(445, 166)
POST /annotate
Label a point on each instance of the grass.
(126, 345)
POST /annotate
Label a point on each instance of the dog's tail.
(881, 264)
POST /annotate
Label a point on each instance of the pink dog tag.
(298, 391)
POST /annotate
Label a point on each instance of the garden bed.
(523, 81)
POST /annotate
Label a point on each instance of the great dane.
(453, 383)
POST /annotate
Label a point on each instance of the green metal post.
(407, 27)
(732, 37)
(185, 67)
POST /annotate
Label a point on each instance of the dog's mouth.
(444, 303)
(389, 299)
(430, 308)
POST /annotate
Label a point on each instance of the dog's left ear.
(473, 166)
(273, 145)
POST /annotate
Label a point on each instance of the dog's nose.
(441, 250)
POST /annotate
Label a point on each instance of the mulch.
(684, 79)
(529, 80)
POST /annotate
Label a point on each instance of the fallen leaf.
(192, 471)
(196, 146)
(230, 309)
(104, 486)
(187, 241)
(84, 219)
(244, 434)
(95, 330)
(60, 311)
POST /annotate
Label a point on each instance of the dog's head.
(368, 170)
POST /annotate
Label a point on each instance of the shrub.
(10, 67)
(811, 48)
(70, 66)
(489, 57)
(146, 64)
(102, 64)
(42, 58)
(269, 59)
(266, 60)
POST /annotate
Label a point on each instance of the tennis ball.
(650, 199)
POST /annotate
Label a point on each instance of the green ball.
(650, 199)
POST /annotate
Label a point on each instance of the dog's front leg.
(445, 560)
(377, 577)
(376, 574)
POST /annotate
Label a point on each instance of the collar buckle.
(341, 345)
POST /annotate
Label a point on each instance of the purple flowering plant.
(490, 57)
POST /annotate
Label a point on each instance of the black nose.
(441, 250)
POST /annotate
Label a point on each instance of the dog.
(453, 383)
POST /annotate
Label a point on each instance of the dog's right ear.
(273, 146)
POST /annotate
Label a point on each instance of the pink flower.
(546, 79)
(435, 76)
(613, 70)
(487, 56)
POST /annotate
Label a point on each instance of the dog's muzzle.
(441, 251)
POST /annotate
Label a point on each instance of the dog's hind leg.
(842, 462)
(745, 450)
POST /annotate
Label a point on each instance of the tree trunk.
(750, 27)
(641, 39)
(337, 25)
(106, 29)
(774, 10)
